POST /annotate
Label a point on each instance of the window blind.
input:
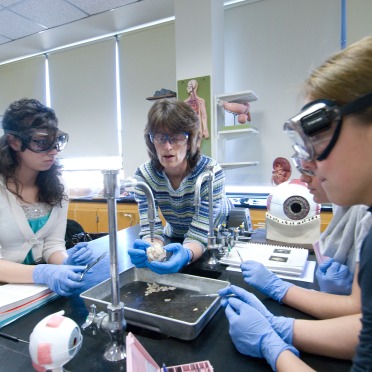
(83, 94)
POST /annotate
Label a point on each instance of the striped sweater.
(177, 206)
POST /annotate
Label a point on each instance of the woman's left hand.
(180, 257)
(79, 255)
(138, 254)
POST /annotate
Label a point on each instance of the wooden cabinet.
(93, 216)
(259, 220)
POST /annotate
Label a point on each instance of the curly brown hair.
(21, 115)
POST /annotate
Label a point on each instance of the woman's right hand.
(138, 255)
(62, 279)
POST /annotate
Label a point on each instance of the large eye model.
(292, 201)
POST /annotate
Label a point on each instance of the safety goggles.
(315, 130)
(42, 140)
(297, 162)
(173, 139)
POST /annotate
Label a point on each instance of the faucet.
(112, 322)
(132, 182)
(208, 175)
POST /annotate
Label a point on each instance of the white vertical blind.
(83, 94)
(22, 79)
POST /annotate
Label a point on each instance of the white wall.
(358, 19)
(270, 47)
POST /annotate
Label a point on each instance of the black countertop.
(213, 343)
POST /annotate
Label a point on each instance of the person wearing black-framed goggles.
(315, 130)
(41, 140)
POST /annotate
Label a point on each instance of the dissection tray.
(161, 303)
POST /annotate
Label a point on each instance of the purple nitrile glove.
(181, 256)
(283, 326)
(79, 254)
(259, 277)
(62, 279)
(138, 254)
(252, 334)
(334, 277)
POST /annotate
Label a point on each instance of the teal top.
(36, 224)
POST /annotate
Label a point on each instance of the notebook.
(279, 259)
(17, 300)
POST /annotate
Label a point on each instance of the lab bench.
(92, 213)
(213, 343)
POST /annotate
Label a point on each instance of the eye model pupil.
(296, 208)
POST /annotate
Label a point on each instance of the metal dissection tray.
(161, 303)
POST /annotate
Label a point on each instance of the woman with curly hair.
(33, 202)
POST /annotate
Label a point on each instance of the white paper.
(13, 295)
(283, 260)
(307, 275)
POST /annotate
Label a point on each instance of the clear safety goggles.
(173, 139)
(42, 140)
(297, 162)
(315, 130)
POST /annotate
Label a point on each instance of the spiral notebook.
(277, 258)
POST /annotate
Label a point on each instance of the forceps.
(89, 266)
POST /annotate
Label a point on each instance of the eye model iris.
(296, 207)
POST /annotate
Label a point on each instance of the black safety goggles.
(41, 140)
(315, 130)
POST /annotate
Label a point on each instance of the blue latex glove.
(334, 277)
(62, 279)
(259, 277)
(138, 254)
(252, 334)
(282, 326)
(79, 254)
(180, 257)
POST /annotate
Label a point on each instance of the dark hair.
(23, 115)
(173, 116)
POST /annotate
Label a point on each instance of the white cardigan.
(17, 237)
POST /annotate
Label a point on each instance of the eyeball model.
(54, 341)
(292, 215)
(292, 201)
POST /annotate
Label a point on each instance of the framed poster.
(196, 92)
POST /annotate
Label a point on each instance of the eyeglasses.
(173, 139)
(297, 162)
(315, 130)
(42, 140)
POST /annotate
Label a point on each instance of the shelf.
(226, 128)
(239, 164)
(241, 128)
(239, 97)
(229, 133)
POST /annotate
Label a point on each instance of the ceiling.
(21, 18)
(30, 27)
